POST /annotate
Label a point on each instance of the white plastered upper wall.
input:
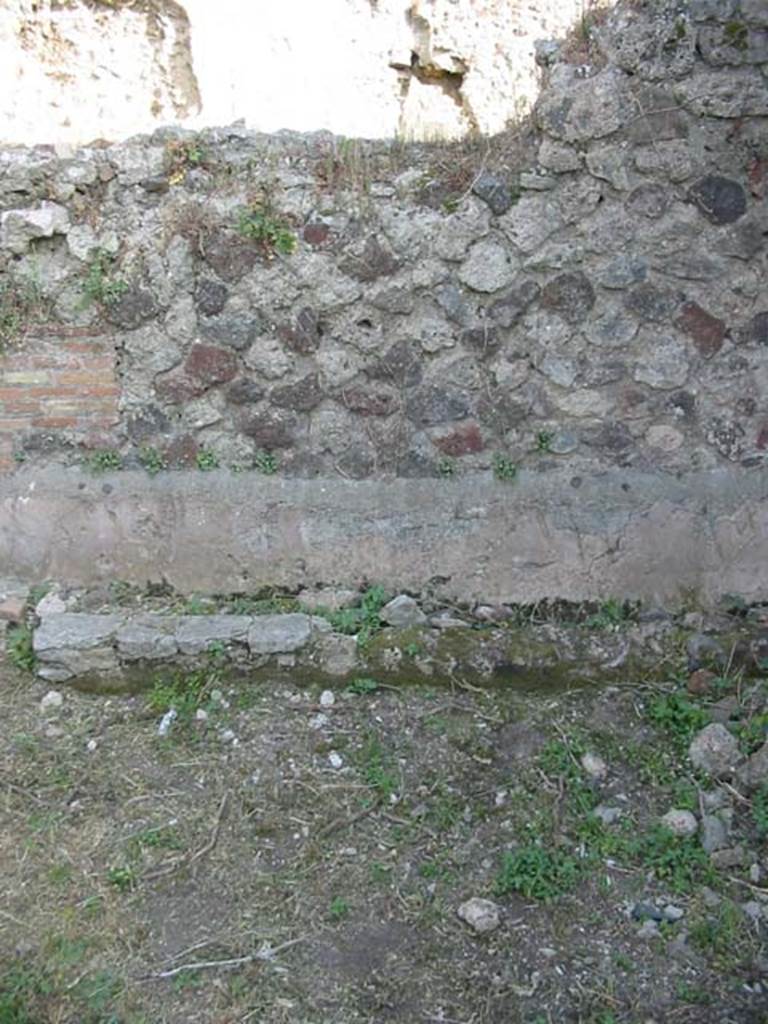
(72, 71)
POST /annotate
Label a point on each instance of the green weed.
(544, 439)
(760, 810)
(184, 692)
(504, 468)
(270, 232)
(100, 285)
(152, 460)
(22, 988)
(678, 717)
(446, 467)
(363, 620)
(687, 993)
(196, 605)
(678, 861)
(561, 761)
(104, 460)
(19, 649)
(753, 733)
(206, 460)
(363, 686)
(375, 767)
(736, 34)
(721, 934)
(538, 873)
(266, 463)
(123, 878)
(163, 837)
(181, 155)
(275, 605)
(610, 615)
(339, 908)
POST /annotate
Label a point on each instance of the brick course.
(54, 383)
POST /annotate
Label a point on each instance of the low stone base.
(108, 648)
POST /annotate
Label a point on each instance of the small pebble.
(608, 815)
(481, 915)
(91, 745)
(318, 721)
(228, 736)
(648, 930)
(52, 701)
(335, 760)
(201, 715)
(594, 766)
(647, 912)
(673, 913)
(753, 910)
(682, 823)
(327, 699)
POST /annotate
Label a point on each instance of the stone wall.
(582, 299)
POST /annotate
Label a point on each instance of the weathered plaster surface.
(649, 536)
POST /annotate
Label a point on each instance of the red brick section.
(66, 384)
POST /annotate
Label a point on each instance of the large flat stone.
(148, 638)
(70, 631)
(279, 634)
(68, 664)
(196, 633)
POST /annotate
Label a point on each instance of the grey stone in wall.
(279, 634)
(196, 633)
(147, 638)
(18, 228)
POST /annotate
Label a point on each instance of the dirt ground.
(294, 856)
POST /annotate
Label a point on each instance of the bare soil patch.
(281, 857)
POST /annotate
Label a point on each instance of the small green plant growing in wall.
(99, 284)
(266, 462)
(181, 154)
(271, 233)
(151, 459)
(104, 460)
(206, 460)
(544, 439)
(446, 467)
(736, 34)
(504, 468)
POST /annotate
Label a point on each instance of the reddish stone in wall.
(462, 439)
(181, 453)
(270, 429)
(761, 440)
(176, 387)
(706, 331)
(316, 234)
(210, 365)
